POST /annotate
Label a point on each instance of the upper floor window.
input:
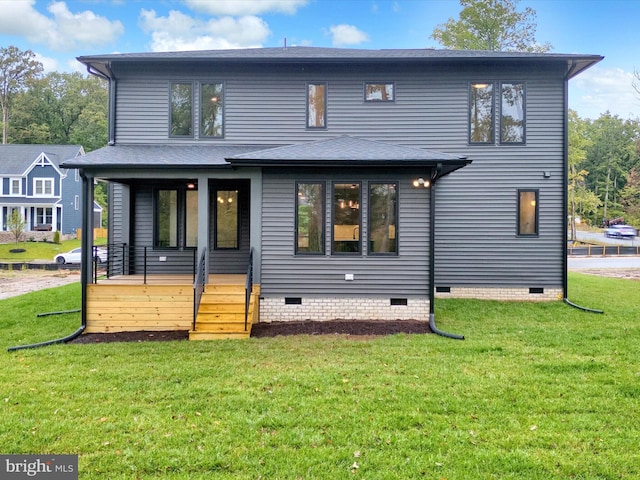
(43, 187)
(181, 121)
(346, 218)
(211, 111)
(310, 218)
(512, 113)
(481, 123)
(379, 92)
(15, 186)
(383, 215)
(316, 105)
(528, 212)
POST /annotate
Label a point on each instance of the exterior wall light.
(421, 182)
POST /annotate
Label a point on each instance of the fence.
(97, 233)
(602, 250)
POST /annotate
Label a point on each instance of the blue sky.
(59, 31)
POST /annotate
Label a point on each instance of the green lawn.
(38, 250)
(536, 391)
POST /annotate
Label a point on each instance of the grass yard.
(38, 250)
(536, 391)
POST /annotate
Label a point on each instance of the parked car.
(75, 256)
(620, 231)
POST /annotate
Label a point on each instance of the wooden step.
(196, 335)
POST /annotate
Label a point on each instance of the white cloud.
(598, 90)
(346, 35)
(245, 7)
(48, 64)
(180, 32)
(62, 30)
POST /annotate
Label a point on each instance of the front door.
(229, 239)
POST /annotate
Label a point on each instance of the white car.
(620, 231)
(75, 256)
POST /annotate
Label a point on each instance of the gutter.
(565, 197)
(432, 258)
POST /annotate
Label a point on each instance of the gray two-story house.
(46, 196)
(329, 183)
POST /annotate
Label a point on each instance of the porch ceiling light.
(421, 182)
(191, 185)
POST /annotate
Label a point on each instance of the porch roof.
(349, 151)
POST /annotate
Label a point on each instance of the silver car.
(620, 231)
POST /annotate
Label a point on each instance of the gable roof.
(16, 159)
(575, 63)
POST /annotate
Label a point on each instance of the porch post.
(203, 220)
(86, 266)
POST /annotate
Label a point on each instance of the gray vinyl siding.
(287, 274)
(118, 195)
(476, 241)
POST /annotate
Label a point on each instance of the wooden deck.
(164, 302)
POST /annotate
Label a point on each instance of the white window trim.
(44, 182)
(11, 191)
(76, 202)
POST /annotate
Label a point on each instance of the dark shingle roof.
(169, 156)
(101, 63)
(15, 159)
(343, 151)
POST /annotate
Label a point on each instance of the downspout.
(565, 197)
(85, 268)
(432, 258)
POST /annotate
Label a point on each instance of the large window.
(528, 212)
(310, 202)
(383, 214)
(227, 221)
(43, 187)
(176, 218)
(346, 218)
(181, 110)
(316, 105)
(512, 113)
(379, 92)
(481, 113)
(211, 110)
(44, 216)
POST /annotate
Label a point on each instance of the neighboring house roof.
(15, 159)
(349, 151)
(575, 63)
(338, 151)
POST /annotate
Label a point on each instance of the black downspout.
(565, 199)
(85, 266)
(432, 259)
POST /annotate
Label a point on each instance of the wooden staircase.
(221, 312)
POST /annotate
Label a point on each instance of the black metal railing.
(123, 259)
(248, 287)
(198, 284)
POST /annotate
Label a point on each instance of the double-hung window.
(15, 186)
(528, 212)
(43, 187)
(316, 105)
(176, 217)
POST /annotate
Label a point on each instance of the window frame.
(393, 92)
(519, 212)
(192, 115)
(323, 240)
(470, 97)
(524, 112)
(238, 218)
(43, 213)
(181, 217)
(370, 212)
(45, 181)
(12, 192)
(201, 136)
(360, 251)
(308, 106)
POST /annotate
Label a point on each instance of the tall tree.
(494, 25)
(581, 200)
(17, 68)
(62, 108)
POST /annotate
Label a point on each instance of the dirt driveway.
(18, 282)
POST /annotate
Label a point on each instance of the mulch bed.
(355, 328)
